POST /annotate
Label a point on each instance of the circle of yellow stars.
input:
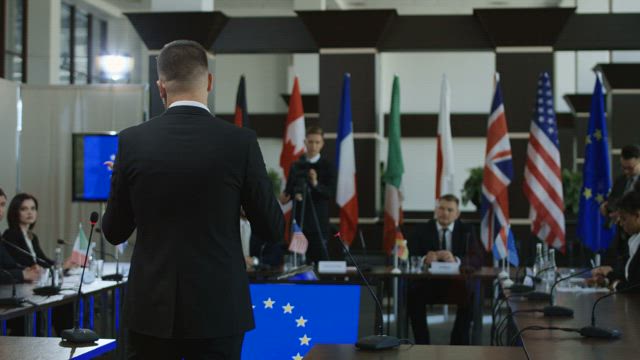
(300, 322)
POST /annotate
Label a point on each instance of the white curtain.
(8, 127)
(50, 115)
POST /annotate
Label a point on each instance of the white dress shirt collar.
(634, 243)
(314, 159)
(449, 228)
(189, 103)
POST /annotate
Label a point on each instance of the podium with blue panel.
(292, 317)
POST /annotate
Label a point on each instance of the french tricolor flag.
(346, 194)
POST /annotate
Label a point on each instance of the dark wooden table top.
(484, 273)
(406, 352)
(36, 348)
(620, 311)
(69, 294)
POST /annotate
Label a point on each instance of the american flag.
(299, 243)
(497, 175)
(542, 175)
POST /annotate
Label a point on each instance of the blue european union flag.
(291, 318)
(596, 175)
(512, 254)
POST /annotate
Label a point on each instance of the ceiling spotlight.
(115, 67)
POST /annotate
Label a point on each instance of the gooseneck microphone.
(594, 331)
(47, 290)
(539, 295)
(77, 334)
(14, 300)
(553, 310)
(379, 341)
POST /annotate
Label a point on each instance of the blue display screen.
(93, 156)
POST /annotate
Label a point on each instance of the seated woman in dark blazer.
(22, 216)
(627, 273)
(12, 271)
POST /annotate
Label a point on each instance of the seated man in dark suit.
(444, 239)
(627, 272)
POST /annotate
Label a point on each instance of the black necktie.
(443, 239)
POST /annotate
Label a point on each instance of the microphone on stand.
(47, 290)
(379, 341)
(539, 295)
(553, 310)
(594, 331)
(13, 300)
(77, 334)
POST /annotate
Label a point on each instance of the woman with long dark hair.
(22, 216)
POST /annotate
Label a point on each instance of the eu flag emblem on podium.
(291, 318)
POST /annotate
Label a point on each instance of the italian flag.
(80, 247)
(393, 174)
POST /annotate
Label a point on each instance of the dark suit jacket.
(615, 255)
(321, 195)
(463, 243)
(16, 237)
(10, 266)
(634, 273)
(180, 179)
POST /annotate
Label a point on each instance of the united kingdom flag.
(497, 175)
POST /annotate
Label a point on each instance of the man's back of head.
(182, 67)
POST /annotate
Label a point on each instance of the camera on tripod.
(300, 175)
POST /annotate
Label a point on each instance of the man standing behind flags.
(542, 172)
(497, 175)
(393, 174)
(180, 179)
(313, 175)
(444, 158)
(346, 193)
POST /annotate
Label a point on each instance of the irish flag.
(292, 144)
(393, 174)
(346, 194)
(80, 247)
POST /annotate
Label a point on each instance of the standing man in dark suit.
(630, 166)
(180, 180)
(446, 239)
(317, 174)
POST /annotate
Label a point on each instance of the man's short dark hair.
(317, 130)
(2, 193)
(630, 202)
(182, 61)
(630, 152)
(450, 197)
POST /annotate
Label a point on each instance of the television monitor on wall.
(93, 153)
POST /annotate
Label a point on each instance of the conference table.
(35, 304)
(400, 281)
(410, 352)
(620, 311)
